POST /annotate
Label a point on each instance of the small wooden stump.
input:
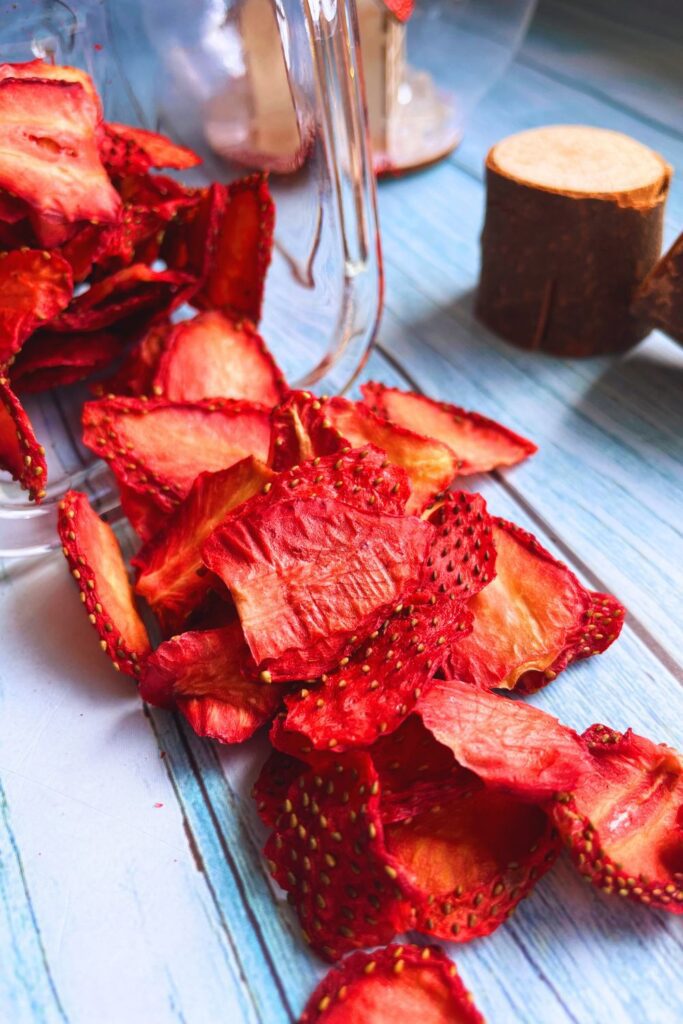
(659, 300)
(573, 225)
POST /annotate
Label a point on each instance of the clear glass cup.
(250, 85)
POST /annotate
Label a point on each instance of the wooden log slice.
(573, 224)
(659, 299)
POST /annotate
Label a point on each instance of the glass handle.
(332, 29)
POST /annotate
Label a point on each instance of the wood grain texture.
(131, 887)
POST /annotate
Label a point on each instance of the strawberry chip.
(431, 466)
(173, 579)
(20, 453)
(49, 359)
(35, 287)
(510, 745)
(532, 621)
(132, 291)
(226, 240)
(308, 575)
(159, 447)
(213, 356)
(623, 820)
(328, 853)
(143, 511)
(59, 72)
(135, 376)
(96, 563)
(50, 157)
(381, 683)
(270, 790)
(480, 444)
(399, 983)
(126, 149)
(474, 854)
(199, 674)
(299, 433)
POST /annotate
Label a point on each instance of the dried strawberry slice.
(431, 466)
(212, 355)
(481, 444)
(398, 983)
(96, 563)
(474, 854)
(49, 359)
(144, 512)
(383, 680)
(160, 447)
(510, 745)
(50, 157)
(226, 241)
(132, 291)
(12, 210)
(136, 374)
(328, 853)
(59, 72)
(623, 820)
(200, 674)
(270, 790)
(300, 433)
(533, 611)
(20, 453)
(173, 579)
(309, 574)
(35, 286)
(129, 149)
(600, 627)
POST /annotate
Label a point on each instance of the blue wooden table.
(131, 885)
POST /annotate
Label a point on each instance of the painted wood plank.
(638, 70)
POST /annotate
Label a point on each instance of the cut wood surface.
(132, 887)
(574, 222)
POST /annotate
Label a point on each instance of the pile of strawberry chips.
(315, 567)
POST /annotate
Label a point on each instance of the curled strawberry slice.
(200, 674)
(126, 149)
(173, 578)
(96, 563)
(20, 453)
(398, 983)
(481, 444)
(35, 286)
(49, 359)
(623, 820)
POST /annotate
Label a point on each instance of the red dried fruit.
(173, 579)
(96, 563)
(20, 453)
(384, 679)
(59, 72)
(160, 447)
(510, 745)
(431, 466)
(226, 241)
(401, 9)
(127, 149)
(300, 433)
(213, 356)
(474, 854)
(50, 157)
(623, 820)
(12, 210)
(601, 625)
(49, 359)
(35, 286)
(200, 674)
(481, 444)
(533, 611)
(270, 790)
(134, 291)
(398, 983)
(143, 512)
(308, 575)
(328, 853)
(136, 374)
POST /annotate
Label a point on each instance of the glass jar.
(250, 85)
